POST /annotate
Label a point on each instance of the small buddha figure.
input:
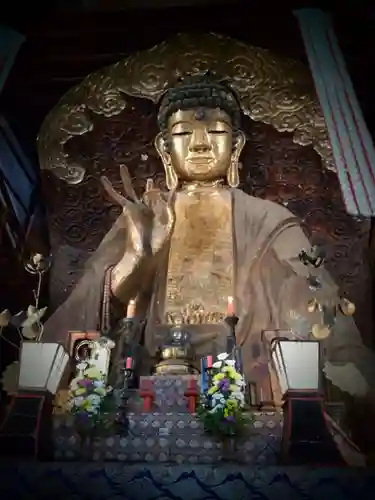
(205, 240)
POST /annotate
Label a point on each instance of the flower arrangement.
(222, 409)
(88, 400)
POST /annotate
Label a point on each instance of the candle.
(209, 362)
(253, 394)
(130, 312)
(192, 383)
(129, 363)
(230, 308)
(261, 395)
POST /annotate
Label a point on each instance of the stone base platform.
(174, 438)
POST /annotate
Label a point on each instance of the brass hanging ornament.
(312, 305)
(347, 307)
(320, 332)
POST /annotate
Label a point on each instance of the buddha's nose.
(200, 142)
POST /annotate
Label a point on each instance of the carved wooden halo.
(272, 90)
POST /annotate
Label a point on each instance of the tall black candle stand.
(232, 348)
(209, 375)
(231, 321)
(127, 331)
(122, 419)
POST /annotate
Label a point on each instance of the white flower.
(78, 401)
(222, 356)
(82, 366)
(92, 409)
(94, 399)
(239, 383)
(99, 383)
(238, 396)
(217, 407)
(218, 399)
(217, 364)
(73, 386)
(5, 318)
(230, 362)
(34, 316)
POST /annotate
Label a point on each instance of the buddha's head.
(200, 138)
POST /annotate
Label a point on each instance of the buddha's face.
(200, 144)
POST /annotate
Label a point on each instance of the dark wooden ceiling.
(63, 46)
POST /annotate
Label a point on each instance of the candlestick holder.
(128, 333)
(122, 420)
(231, 321)
(237, 357)
(209, 375)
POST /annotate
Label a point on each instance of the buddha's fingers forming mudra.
(136, 213)
(127, 184)
(112, 193)
(127, 187)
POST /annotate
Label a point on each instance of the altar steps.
(173, 438)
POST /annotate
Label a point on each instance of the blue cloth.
(10, 43)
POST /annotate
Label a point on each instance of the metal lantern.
(297, 364)
(42, 366)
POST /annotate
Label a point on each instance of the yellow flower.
(93, 373)
(218, 376)
(231, 404)
(212, 390)
(85, 404)
(229, 371)
(233, 388)
(226, 414)
(100, 391)
(80, 391)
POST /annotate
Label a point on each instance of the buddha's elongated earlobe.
(171, 178)
(233, 176)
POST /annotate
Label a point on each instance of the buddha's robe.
(271, 292)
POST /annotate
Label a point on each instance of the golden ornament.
(347, 307)
(312, 305)
(320, 332)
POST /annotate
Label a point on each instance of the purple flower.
(229, 418)
(82, 416)
(85, 382)
(224, 385)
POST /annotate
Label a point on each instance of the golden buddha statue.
(183, 253)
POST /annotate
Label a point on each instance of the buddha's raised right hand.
(150, 221)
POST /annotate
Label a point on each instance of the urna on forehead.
(200, 114)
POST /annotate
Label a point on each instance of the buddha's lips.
(201, 160)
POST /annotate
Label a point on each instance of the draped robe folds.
(271, 292)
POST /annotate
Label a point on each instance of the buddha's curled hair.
(204, 91)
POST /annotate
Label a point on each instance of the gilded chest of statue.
(201, 259)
